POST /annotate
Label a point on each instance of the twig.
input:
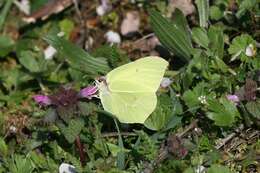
(229, 137)
(113, 134)
(190, 127)
(144, 37)
(52, 7)
(81, 151)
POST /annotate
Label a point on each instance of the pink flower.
(88, 92)
(42, 100)
(233, 98)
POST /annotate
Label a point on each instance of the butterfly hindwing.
(129, 107)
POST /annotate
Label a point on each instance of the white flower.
(166, 82)
(13, 129)
(103, 8)
(250, 50)
(61, 34)
(100, 10)
(67, 168)
(202, 100)
(200, 169)
(23, 5)
(49, 52)
(113, 37)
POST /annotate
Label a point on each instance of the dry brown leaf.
(130, 23)
(186, 6)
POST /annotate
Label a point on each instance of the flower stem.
(81, 151)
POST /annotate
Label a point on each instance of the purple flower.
(233, 98)
(65, 96)
(88, 92)
(42, 100)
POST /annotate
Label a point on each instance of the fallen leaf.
(186, 6)
(130, 23)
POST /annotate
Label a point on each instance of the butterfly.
(129, 91)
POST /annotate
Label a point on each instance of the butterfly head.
(102, 84)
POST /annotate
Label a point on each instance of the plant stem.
(81, 151)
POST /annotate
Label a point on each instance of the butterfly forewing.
(143, 75)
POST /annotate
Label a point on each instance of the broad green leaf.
(172, 34)
(73, 129)
(216, 39)
(246, 5)
(223, 112)
(114, 55)
(200, 36)
(6, 45)
(77, 57)
(203, 8)
(239, 45)
(39, 159)
(28, 60)
(192, 97)
(163, 113)
(221, 65)
(216, 13)
(218, 168)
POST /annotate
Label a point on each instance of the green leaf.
(66, 26)
(218, 168)
(173, 35)
(245, 6)
(28, 60)
(115, 149)
(4, 13)
(163, 113)
(20, 164)
(203, 8)
(38, 159)
(238, 46)
(200, 36)
(113, 54)
(254, 109)
(223, 112)
(77, 57)
(191, 97)
(6, 45)
(216, 38)
(216, 13)
(73, 129)
(3, 148)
